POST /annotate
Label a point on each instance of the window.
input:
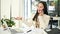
(27, 9)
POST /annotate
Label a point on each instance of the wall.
(12, 8)
(0, 9)
(5, 8)
(17, 8)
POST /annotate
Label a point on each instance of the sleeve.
(47, 21)
(29, 22)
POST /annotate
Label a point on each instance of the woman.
(40, 20)
(41, 17)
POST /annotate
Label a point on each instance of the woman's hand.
(18, 18)
(41, 14)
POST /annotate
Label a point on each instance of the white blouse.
(43, 21)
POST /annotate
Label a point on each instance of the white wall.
(5, 8)
(17, 8)
(21, 8)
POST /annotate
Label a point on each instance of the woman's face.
(40, 8)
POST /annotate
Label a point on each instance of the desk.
(54, 31)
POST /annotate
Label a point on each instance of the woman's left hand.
(18, 18)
